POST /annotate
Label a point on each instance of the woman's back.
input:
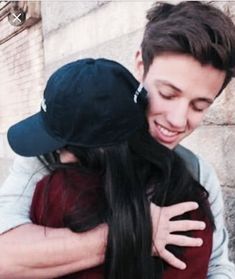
(87, 193)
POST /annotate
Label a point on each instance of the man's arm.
(31, 251)
(219, 267)
(17, 190)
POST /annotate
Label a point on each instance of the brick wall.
(21, 71)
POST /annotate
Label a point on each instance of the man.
(186, 60)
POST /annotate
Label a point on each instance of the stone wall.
(99, 29)
(215, 141)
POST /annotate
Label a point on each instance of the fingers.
(172, 260)
(186, 225)
(180, 208)
(163, 227)
(181, 240)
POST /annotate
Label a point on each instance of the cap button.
(90, 61)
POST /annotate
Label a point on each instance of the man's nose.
(178, 115)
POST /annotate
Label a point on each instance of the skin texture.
(177, 104)
(31, 251)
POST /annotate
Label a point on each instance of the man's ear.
(139, 66)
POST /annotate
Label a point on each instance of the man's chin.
(168, 145)
(169, 142)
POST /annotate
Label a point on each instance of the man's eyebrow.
(164, 82)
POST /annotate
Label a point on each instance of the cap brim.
(30, 138)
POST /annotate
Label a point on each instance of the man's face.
(180, 91)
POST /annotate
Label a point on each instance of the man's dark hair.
(194, 28)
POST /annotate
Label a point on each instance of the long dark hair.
(132, 174)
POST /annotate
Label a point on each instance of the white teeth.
(166, 132)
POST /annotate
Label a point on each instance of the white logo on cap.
(43, 105)
(137, 92)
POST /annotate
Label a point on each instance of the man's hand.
(163, 228)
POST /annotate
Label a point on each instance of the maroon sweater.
(59, 204)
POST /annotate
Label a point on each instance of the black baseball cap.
(89, 102)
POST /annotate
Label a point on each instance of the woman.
(94, 112)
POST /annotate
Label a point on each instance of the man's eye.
(166, 96)
(198, 108)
